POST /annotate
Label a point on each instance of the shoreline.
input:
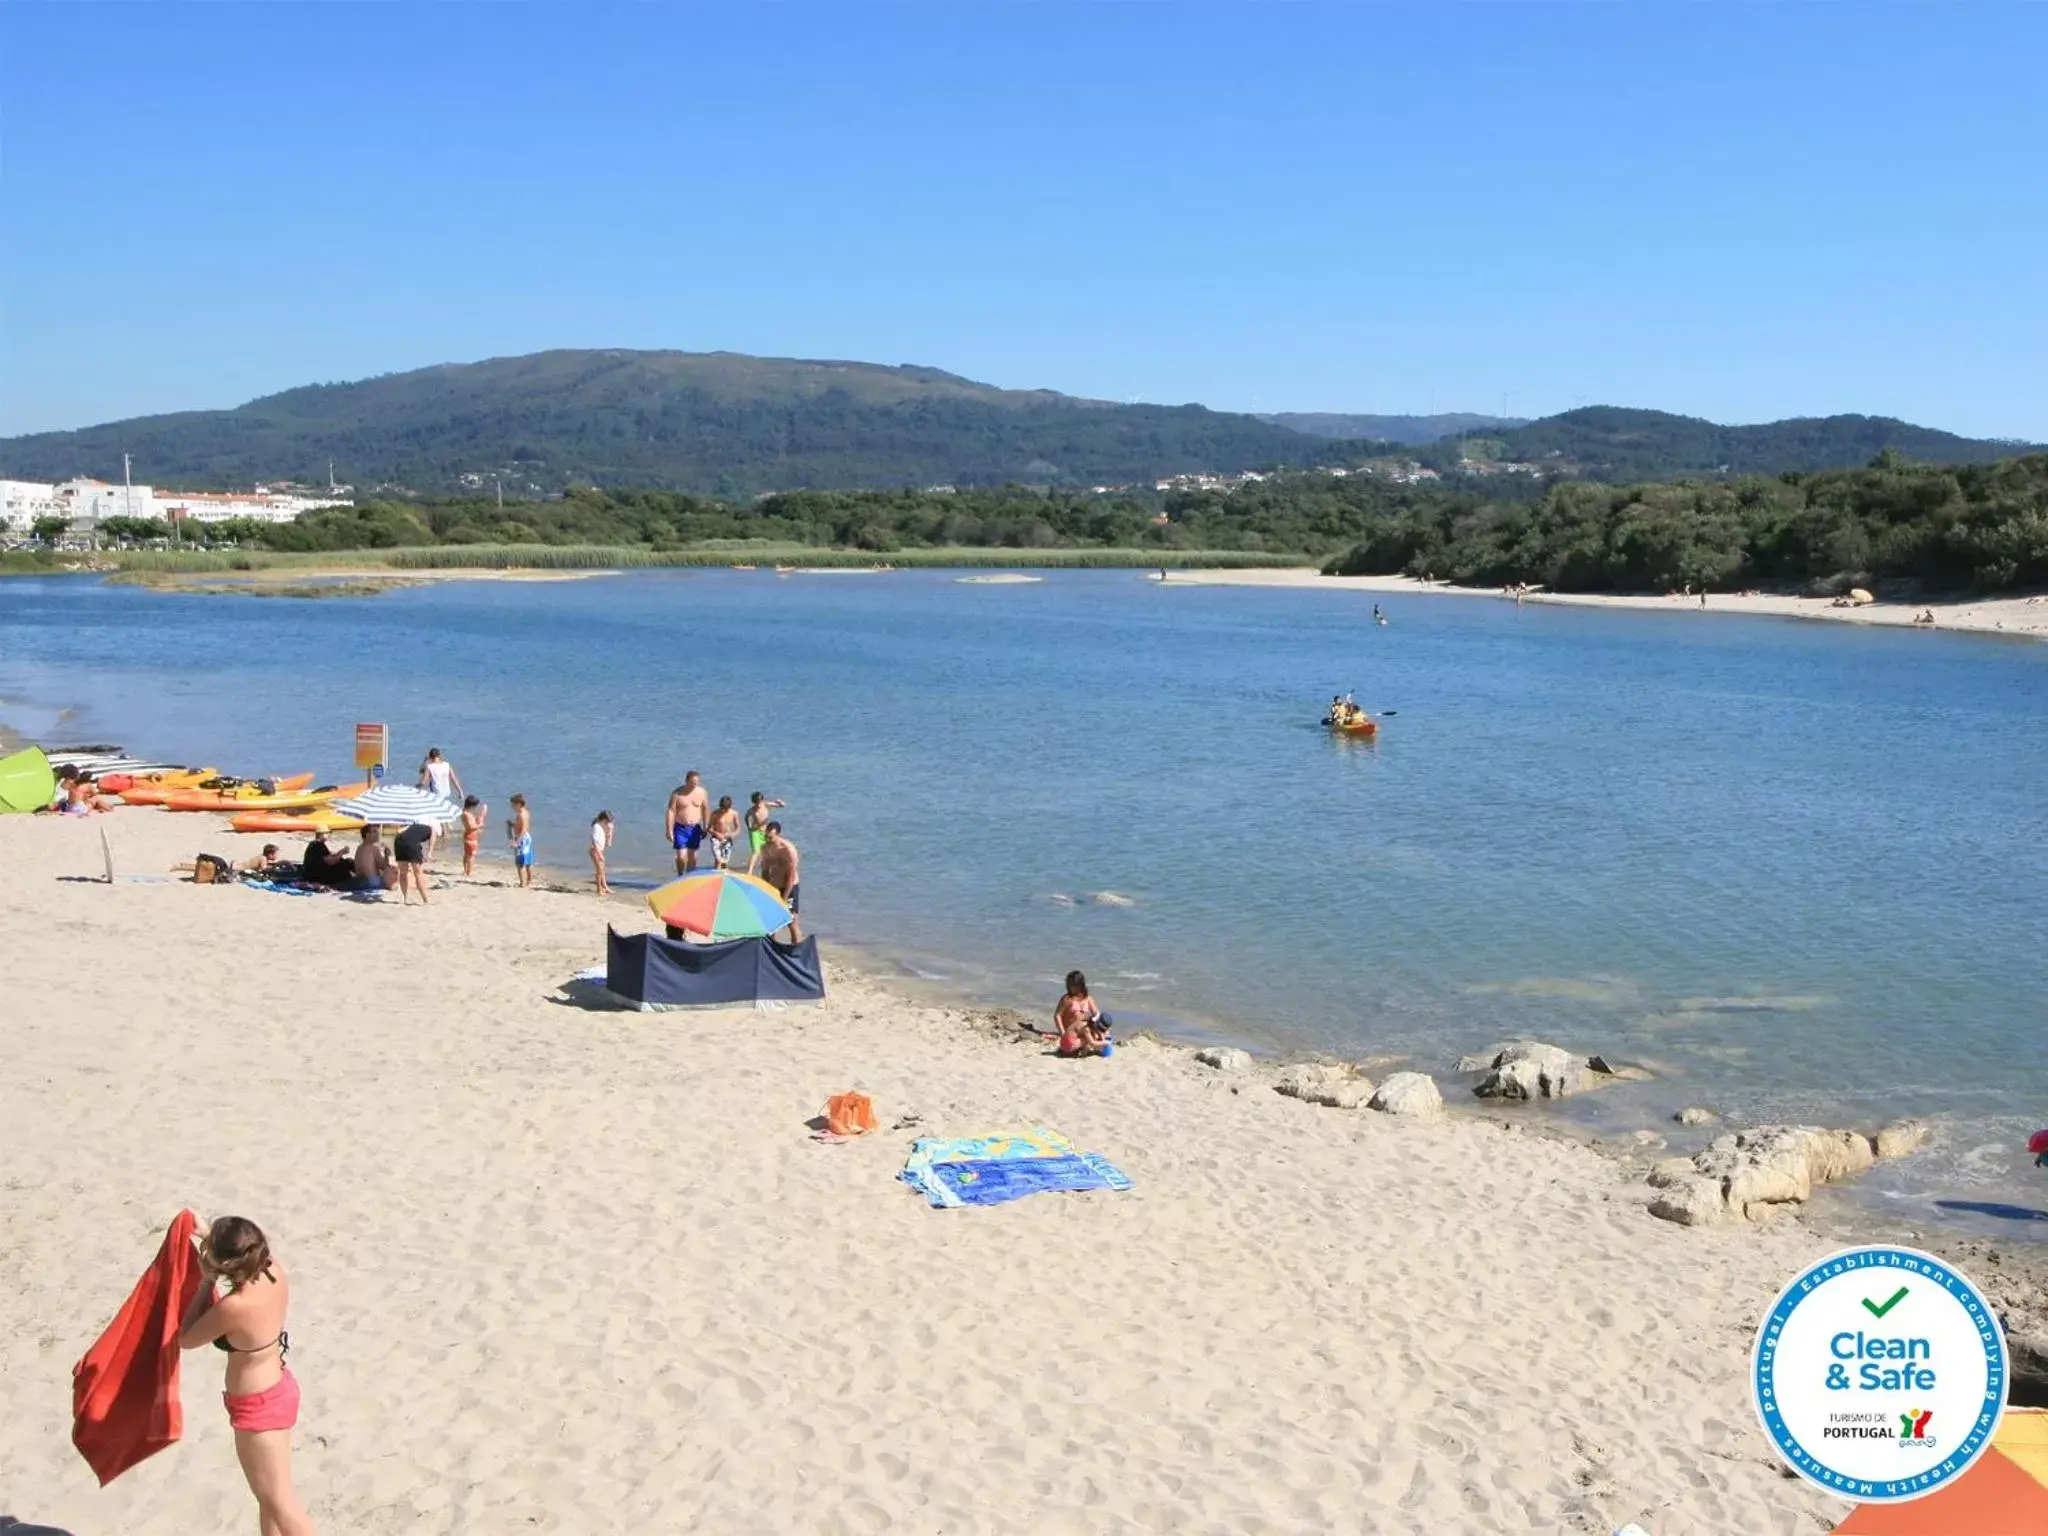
(603, 1212)
(2024, 617)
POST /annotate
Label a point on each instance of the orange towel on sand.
(124, 1393)
(849, 1114)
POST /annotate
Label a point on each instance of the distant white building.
(224, 506)
(88, 503)
(23, 501)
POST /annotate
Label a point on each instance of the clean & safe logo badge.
(1862, 1356)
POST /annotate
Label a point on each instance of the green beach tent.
(26, 782)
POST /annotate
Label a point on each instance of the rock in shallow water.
(1693, 1114)
(1902, 1137)
(1743, 1175)
(1529, 1069)
(1408, 1093)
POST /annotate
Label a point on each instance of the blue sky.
(1741, 212)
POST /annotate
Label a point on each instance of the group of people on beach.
(694, 828)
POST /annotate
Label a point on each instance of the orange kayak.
(1363, 730)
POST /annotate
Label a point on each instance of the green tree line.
(1981, 527)
(1947, 528)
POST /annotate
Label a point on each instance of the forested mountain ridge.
(732, 426)
(716, 423)
(1605, 442)
(1413, 430)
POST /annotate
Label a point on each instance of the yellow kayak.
(279, 821)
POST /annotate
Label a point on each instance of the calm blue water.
(1801, 869)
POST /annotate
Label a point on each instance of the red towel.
(124, 1393)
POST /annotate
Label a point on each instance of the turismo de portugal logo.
(1880, 1374)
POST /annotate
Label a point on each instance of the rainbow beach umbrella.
(720, 904)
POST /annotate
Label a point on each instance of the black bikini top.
(283, 1344)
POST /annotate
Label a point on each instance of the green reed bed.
(730, 552)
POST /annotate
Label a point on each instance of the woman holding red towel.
(241, 1312)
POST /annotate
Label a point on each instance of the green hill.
(1604, 442)
(1412, 430)
(719, 423)
(728, 425)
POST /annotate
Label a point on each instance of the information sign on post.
(373, 750)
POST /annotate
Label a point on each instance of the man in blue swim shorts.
(689, 810)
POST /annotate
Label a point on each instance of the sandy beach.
(559, 1269)
(2021, 616)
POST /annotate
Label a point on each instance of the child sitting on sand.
(1083, 1027)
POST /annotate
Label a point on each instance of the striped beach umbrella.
(398, 805)
(720, 904)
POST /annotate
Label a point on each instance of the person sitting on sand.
(83, 798)
(324, 865)
(600, 845)
(372, 863)
(240, 1310)
(1083, 1026)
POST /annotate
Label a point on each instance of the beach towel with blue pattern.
(988, 1170)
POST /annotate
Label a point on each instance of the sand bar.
(564, 1270)
(2020, 616)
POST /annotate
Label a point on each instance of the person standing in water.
(520, 830)
(725, 827)
(439, 778)
(758, 807)
(689, 807)
(600, 845)
(240, 1310)
(782, 867)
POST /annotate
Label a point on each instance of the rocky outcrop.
(1742, 1176)
(1332, 1084)
(1225, 1058)
(1529, 1069)
(1902, 1137)
(1408, 1093)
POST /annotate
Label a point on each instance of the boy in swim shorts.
(757, 828)
(521, 829)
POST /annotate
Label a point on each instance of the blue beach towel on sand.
(989, 1170)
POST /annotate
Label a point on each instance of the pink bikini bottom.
(274, 1407)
